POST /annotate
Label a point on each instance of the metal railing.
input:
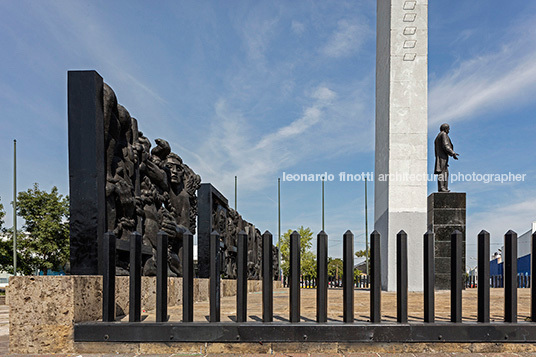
(295, 330)
(496, 281)
(311, 282)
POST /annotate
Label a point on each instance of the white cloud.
(324, 94)
(517, 214)
(297, 27)
(310, 117)
(489, 82)
(78, 29)
(233, 147)
(257, 35)
(347, 38)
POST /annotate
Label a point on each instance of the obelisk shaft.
(401, 134)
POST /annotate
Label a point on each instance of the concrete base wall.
(298, 348)
(44, 309)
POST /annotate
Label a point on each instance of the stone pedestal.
(446, 213)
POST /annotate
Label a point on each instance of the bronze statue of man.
(443, 149)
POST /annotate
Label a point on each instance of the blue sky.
(255, 89)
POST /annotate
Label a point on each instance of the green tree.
(335, 267)
(6, 249)
(5, 252)
(2, 215)
(308, 259)
(26, 262)
(357, 273)
(362, 253)
(45, 243)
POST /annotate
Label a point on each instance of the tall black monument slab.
(210, 203)
(446, 213)
(87, 177)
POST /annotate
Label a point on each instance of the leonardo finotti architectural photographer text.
(404, 177)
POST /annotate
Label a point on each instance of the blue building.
(523, 256)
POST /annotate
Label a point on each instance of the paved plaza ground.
(4, 329)
(361, 306)
(308, 303)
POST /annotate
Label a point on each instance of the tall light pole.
(366, 227)
(15, 207)
(279, 228)
(323, 203)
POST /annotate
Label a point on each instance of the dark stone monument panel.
(442, 280)
(216, 215)
(446, 213)
(87, 177)
(117, 183)
(208, 200)
(441, 248)
(445, 200)
(443, 264)
(449, 217)
(443, 232)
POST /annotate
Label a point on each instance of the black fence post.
(483, 276)
(531, 280)
(267, 278)
(322, 274)
(402, 277)
(348, 277)
(429, 277)
(187, 277)
(510, 275)
(456, 277)
(162, 276)
(214, 277)
(135, 278)
(294, 277)
(242, 277)
(108, 278)
(376, 283)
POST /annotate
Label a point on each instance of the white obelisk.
(400, 201)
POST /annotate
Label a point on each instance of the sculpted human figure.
(275, 262)
(192, 182)
(178, 196)
(146, 190)
(443, 149)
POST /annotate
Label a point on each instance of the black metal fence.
(497, 281)
(296, 330)
(334, 282)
